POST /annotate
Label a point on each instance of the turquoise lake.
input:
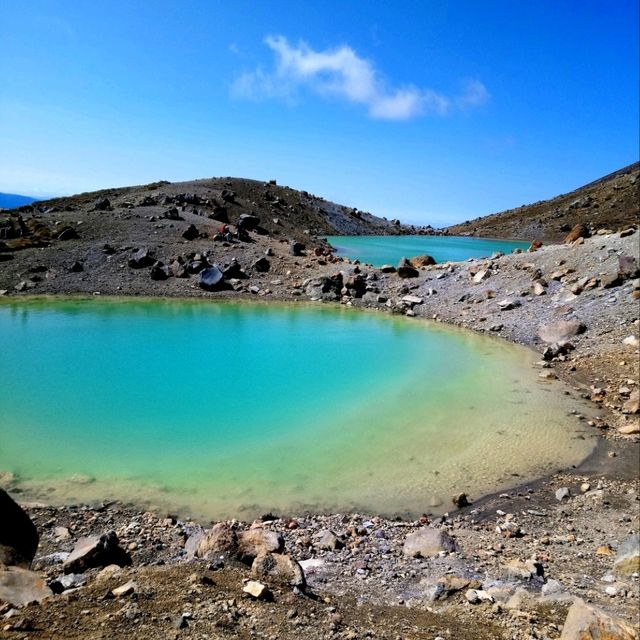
(224, 409)
(379, 250)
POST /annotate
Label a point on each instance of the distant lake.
(223, 410)
(379, 250)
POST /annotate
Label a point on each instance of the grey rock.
(585, 622)
(96, 551)
(19, 586)
(627, 560)
(279, 569)
(191, 232)
(328, 541)
(427, 543)
(560, 332)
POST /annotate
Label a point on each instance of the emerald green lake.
(379, 250)
(217, 409)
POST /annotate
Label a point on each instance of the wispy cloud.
(341, 73)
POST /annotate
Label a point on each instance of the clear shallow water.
(219, 410)
(379, 250)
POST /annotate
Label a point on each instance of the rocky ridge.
(611, 202)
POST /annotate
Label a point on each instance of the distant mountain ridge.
(12, 200)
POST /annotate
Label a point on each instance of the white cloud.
(341, 73)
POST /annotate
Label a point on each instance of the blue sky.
(431, 111)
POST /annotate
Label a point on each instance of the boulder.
(67, 581)
(325, 287)
(172, 214)
(522, 570)
(585, 622)
(422, 261)
(253, 542)
(279, 569)
(579, 231)
(261, 265)
(248, 222)
(482, 275)
(460, 500)
(141, 258)
(296, 248)
(538, 289)
(159, 271)
(96, 551)
(210, 278)
(387, 268)
(406, 270)
(560, 331)
(191, 232)
(628, 267)
(220, 540)
(610, 280)
(257, 590)
(234, 270)
(328, 541)
(178, 269)
(220, 214)
(427, 543)
(18, 535)
(632, 405)
(103, 204)
(627, 559)
(19, 586)
(68, 233)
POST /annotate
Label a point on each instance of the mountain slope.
(611, 202)
(12, 200)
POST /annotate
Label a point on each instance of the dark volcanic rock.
(234, 270)
(296, 248)
(160, 271)
(173, 214)
(191, 232)
(18, 535)
(68, 233)
(220, 214)
(406, 269)
(103, 205)
(262, 265)
(210, 278)
(248, 222)
(141, 258)
(96, 551)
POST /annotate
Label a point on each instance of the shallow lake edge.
(621, 465)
